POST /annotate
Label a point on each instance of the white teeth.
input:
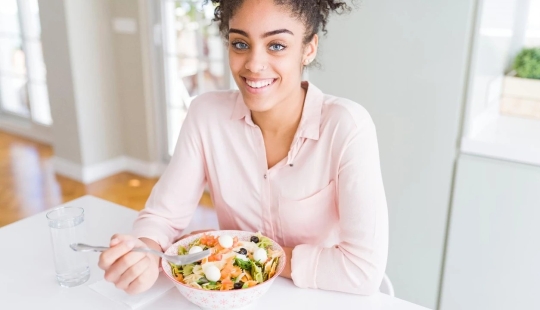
(259, 84)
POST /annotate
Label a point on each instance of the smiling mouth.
(259, 84)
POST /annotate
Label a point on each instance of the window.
(532, 34)
(500, 123)
(193, 58)
(23, 86)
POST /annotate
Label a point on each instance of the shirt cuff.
(304, 261)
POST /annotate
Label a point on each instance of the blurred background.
(93, 94)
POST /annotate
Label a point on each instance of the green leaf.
(243, 264)
(212, 285)
(264, 243)
(256, 272)
(527, 63)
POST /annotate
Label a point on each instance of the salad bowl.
(247, 268)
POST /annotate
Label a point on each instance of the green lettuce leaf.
(211, 285)
(264, 242)
(257, 274)
(243, 264)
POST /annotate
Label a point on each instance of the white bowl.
(233, 299)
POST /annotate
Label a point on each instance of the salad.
(232, 265)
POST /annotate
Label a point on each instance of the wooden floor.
(28, 184)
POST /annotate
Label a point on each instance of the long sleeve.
(175, 196)
(357, 263)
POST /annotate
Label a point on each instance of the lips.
(259, 83)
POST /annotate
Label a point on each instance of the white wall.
(405, 61)
(94, 79)
(56, 55)
(100, 90)
(138, 139)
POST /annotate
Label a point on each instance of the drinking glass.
(67, 227)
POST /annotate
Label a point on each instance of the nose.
(257, 61)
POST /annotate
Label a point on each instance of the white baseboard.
(95, 172)
(144, 168)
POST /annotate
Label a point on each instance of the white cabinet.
(493, 251)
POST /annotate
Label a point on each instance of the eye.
(277, 47)
(239, 45)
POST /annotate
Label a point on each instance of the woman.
(279, 157)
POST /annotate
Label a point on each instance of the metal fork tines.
(175, 259)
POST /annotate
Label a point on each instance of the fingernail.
(114, 242)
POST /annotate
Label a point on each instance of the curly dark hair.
(313, 13)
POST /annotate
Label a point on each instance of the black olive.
(238, 285)
(242, 251)
(255, 239)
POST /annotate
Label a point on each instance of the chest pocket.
(308, 220)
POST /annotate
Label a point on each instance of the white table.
(27, 281)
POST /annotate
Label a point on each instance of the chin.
(258, 104)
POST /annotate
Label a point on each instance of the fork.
(175, 259)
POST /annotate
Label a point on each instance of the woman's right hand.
(133, 272)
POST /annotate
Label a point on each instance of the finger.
(114, 242)
(142, 283)
(110, 256)
(137, 286)
(133, 273)
(117, 238)
(122, 264)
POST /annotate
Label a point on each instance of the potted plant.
(521, 88)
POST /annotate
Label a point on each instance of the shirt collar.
(310, 122)
(241, 111)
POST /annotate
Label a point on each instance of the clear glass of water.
(67, 227)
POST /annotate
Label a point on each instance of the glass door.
(23, 85)
(193, 59)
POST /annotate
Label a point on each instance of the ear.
(310, 50)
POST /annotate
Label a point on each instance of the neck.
(284, 117)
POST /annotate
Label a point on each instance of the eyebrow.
(267, 34)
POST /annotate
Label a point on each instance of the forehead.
(260, 16)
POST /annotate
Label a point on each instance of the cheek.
(235, 62)
(288, 68)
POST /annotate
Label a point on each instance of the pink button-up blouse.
(326, 198)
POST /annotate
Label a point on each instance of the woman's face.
(266, 53)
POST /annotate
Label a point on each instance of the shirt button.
(265, 176)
